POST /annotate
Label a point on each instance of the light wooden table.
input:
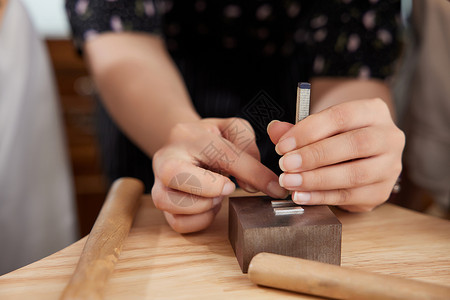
(157, 263)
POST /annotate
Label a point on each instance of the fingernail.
(216, 200)
(228, 188)
(301, 197)
(286, 145)
(290, 180)
(276, 190)
(290, 162)
(271, 122)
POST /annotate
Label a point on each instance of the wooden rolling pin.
(104, 244)
(320, 279)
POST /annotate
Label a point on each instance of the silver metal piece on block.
(288, 210)
(282, 203)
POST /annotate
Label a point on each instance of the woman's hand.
(347, 155)
(190, 170)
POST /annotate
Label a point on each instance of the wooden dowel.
(320, 279)
(104, 244)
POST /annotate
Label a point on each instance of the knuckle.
(361, 143)
(176, 224)
(385, 196)
(319, 197)
(243, 122)
(398, 167)
(400, 136)
(210, 126)
(364, 208)
(368, 208)
(157, 157)
(343, 196)
(180, 131)
(155, 195)
(317, 153)
(323, 198)
(340, 116)
(237, 127)
(357, 175)
(158, 197)
(168, 170)
(158, 203)
(312, 179)
(380, 105)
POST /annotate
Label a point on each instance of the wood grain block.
(253, 228)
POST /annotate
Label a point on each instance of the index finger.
(331, 121)
(221, 154)
(177, 171)
(276, 129)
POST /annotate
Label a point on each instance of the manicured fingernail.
(286, 145)
(301, 197)
(228, 188)
(216, 200)
(271, 122)
(290, 180)
(276, 190)
(290, 162)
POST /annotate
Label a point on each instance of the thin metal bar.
(282, 203)
(288, 210)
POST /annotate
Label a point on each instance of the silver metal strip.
(282, 203)
(288, 210)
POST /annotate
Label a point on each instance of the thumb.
(276, 129)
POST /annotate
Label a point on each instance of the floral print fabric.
(339, 38)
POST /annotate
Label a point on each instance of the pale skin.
(346, 153)
(3, 4)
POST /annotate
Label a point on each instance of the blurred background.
(75, 90)
(51, 183)
(49, 18)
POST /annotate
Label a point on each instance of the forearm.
(3, 4)
(140, 86)
(326, 92)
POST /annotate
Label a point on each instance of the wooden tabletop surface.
(157, 263)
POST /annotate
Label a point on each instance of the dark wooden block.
(253, 228)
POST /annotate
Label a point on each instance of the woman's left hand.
(348, 155)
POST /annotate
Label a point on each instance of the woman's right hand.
(191, 171)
